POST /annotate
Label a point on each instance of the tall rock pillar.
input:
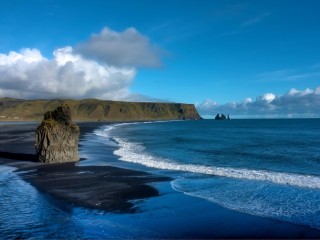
(57, 137)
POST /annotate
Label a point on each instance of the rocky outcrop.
(222, 117)
(57, 137)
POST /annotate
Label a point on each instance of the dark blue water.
(268, 168)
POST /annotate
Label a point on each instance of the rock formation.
(57, 137)
(222, 117)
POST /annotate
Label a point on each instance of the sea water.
(268, 168)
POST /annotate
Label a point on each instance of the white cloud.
(293, 91)
(28, 74)
(268, 97)
(103, 67)
(248, 100)
(295, 103)
(127, 48)
(208, 104)
(27, 55)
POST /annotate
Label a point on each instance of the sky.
(249, 58)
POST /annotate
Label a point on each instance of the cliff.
(56, 139)
(96, 110)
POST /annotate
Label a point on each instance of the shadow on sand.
(19, 156)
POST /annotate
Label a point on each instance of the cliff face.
(93, 109)
(57, 137)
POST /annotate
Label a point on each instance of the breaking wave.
(135, 153)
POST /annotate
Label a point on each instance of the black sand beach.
(104, 187)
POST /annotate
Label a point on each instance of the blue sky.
(247, 58)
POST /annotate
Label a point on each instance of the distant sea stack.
(97, 110)
(57, 137)
(222, 117)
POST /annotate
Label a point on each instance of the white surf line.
(132, 152)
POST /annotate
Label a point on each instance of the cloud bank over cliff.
(102, 67)
(294, 103)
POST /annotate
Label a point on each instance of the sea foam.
(277, 201)
(135, 153)
(296, 205)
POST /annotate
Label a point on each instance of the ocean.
(262, 173)
(268, 168)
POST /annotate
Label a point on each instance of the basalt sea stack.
(57, 137)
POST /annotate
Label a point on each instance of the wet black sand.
(104, 187)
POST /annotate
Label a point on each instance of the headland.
(12, 109)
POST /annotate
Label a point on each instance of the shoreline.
(97, 187)
(169, 213)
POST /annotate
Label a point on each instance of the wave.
(134, 152)
(282, 202)
(105, 130)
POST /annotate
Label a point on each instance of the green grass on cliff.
(96, 110)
